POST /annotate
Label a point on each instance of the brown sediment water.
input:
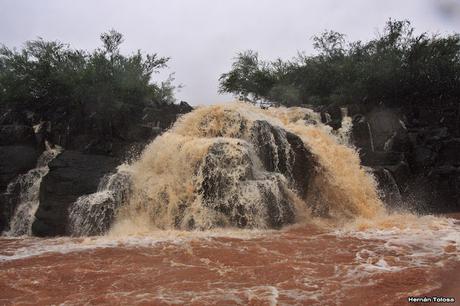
(166, 180)
(300, 265)
(358, 255)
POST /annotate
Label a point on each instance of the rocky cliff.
(414, 152)
(89, 151)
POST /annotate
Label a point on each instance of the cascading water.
(93, 214)
(371, 137)
(239, 165)
(344, 132)
(28, 185)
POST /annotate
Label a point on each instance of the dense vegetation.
(45, 77)
(397, 67)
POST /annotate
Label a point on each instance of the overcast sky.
(202, 36)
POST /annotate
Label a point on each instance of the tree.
(53, 81)
(396, 68)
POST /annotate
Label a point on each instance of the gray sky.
(202, 36)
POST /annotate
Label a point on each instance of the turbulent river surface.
(301, 265)
(235, 205)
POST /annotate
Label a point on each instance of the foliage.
(397, 67)
(45, 76)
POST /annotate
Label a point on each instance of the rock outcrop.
(92, 148)
(93, 214)
(71, 175)
(234, 186)
(414, 151)
(283, 152)
(18, 154)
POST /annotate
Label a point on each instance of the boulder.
(71, 175)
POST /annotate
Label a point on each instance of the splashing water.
(28, 185)
(228, 166)
(250, 155)
(93, 214)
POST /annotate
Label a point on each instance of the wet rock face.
(283, 152)
(230, 186)
(18, 154)
(17, 134)
(418, 148)
(23, 137)
(390, 192)
(14, 161)
(93, 214)
(71, 175)
(234, 185)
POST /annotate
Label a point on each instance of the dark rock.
(389, 189)
(331, 115)
(184, 107)
(384, 124)
(91, 131)
(229, 178)
(443, 186)
(15, 160)
(301, 163)
(421, 147)
(449, 153)
(361, 135)
(283, 152)
(11, 117)
(17, 135)
(94, 214)
(381, 158)
(402, 175)
(71, 175)
(424, 157)
(400, 142)
(8, 203)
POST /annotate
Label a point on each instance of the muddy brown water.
(302, 265)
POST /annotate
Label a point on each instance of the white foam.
(25, 247)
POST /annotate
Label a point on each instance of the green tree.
(397, 67)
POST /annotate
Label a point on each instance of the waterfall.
(344, 133)
(239, 165)
(28, 185)
(392, 189)
(388, 146)
(371, 137)
(93, 214)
